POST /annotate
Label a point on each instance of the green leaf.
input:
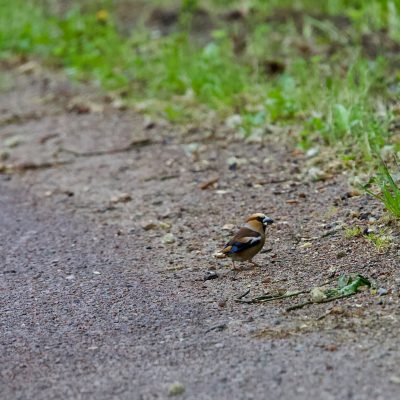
(354, 282)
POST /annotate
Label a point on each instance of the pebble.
(121, 198)
(340, 254)
(168, 238)
(165, 225)
(147, 225)
(233, 121)
(317, 295)
(382, 292)
(12, 141)
(235, 162)
(221, 303)
(176, 389)
(312, 152)
(395, 379)
(210, 275)
(228, 227)
(316, 174)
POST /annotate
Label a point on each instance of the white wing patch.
(251, 240)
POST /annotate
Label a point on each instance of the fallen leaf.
(207, 184)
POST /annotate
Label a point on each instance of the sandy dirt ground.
(108, 223)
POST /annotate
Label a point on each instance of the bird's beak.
(268, 221)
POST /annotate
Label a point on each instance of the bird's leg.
(234, 266)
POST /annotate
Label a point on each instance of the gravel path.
(96, 305)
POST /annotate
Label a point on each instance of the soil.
(97, 304)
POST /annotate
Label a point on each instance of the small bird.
(248, 241)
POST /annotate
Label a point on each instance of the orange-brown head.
(259, 220)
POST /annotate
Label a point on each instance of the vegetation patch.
(328, 70)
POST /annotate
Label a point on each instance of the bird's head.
(262, 218)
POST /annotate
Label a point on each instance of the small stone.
(317, 295)
(235, 162)
(176, 389)
(12, 141)
(367, 231)
(148, 225)
(340, 254)
(221, 303)
(121, 198)
(228, 227)
(233, 121)
(355, 214)
(364, 215)
(81, 105)
(165, 225)
(395, 379)
(4, 155)
(316, 174)
(331, 347)
(29, 67)
(168, 238)
(222, 192)
(191, 149)
(312, 152)
(148, 123)
(119, 104)
(210, 275)
(382, 291)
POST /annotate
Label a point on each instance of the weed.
(353, 232)
(381, 239)
(389, 191)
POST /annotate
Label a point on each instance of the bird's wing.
(243, 240)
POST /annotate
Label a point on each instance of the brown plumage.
(249, 240)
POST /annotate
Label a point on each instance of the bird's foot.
(234, 267)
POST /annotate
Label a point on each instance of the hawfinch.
(249, 240)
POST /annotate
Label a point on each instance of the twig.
(32, 166)
(161, 177)
(265, 298)
(132, 145)
(243, 295)
(306, 303)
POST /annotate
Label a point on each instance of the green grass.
(389, 191)
(329, 92)
(352, 232)
(381, 239)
